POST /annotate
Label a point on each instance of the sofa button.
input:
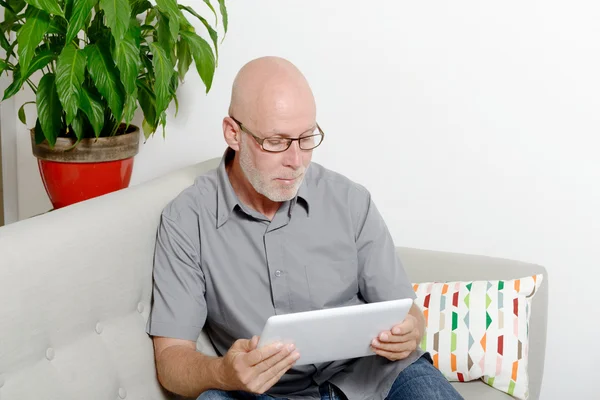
(99, 328)
(122, 393)
(140, 308)
(278, 273)
(50, 353)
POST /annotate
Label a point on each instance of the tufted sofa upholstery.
(75, 291)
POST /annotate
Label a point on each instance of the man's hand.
(255, 370)
(400, 341)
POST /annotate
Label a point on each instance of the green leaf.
(164, 35)
(21, 112)
(174, 86)
(150, 16)
(212, 9)
(31, 35)
(184, 58)
(130, 107)
(4, 43)
(9, 19)
(106, 77)
(224, 15)
(148, 103)
(49, 108)
(170, 7)
(5, 5)
(70, 70)
(39, 133)
(17, 5)
(78, 126)
(49, 6)
(58, 25)
(93, 109)
(163, 122)
(42, 59)
(139, 6)
(203, 57)
(147, 128)
(82, 9)
(68, 4)
(3, 66)
(16, 84)
(147, 63)
(97, 31)
(22, 117)
(163, 70)
(212, 33)
(127, 56)
(117, 14)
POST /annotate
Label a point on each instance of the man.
(268, 233)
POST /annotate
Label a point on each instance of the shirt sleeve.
(178, 302)
(381, 274)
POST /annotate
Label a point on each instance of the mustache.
(298, 174)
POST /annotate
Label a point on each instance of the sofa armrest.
(427, 266)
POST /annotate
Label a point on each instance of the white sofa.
(75, 291)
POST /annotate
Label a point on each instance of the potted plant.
(91, 65)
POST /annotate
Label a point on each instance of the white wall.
(9, 148)
(474, 124)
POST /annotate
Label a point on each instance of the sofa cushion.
(480, 330)
(479, 390)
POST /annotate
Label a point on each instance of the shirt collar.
(227, 199)
(303, 194)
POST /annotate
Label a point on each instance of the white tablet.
(334, 333)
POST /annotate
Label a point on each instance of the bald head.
(271, 89)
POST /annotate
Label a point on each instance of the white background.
(474, 124)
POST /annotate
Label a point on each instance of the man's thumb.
(244, 345)
(254, 342)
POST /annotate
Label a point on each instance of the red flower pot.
(93, 168)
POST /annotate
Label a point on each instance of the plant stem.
(32, 86)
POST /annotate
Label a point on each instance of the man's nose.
(293, 155)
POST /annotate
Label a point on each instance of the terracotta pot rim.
(93, 150)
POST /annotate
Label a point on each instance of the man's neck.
(246, 192)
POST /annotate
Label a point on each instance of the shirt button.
(278, 273)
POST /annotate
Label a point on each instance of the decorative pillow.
(480, 330)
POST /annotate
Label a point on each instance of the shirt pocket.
(332, 283)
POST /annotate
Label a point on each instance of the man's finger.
(277, 370)
(272, 361)
(387, 337)
(269, 384)
(392, 356)
(393, 347)
(256, 356)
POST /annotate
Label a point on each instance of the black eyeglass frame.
(289, 141)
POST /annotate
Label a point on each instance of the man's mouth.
(287, 181)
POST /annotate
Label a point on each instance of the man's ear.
(231, 132)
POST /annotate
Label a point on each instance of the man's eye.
(276, 142)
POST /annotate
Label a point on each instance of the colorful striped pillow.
(479, 330)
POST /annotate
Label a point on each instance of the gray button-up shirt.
(225, 268)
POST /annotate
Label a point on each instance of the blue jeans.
(419, 381)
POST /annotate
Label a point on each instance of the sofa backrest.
(75, 291)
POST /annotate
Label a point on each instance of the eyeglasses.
(278, 144)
